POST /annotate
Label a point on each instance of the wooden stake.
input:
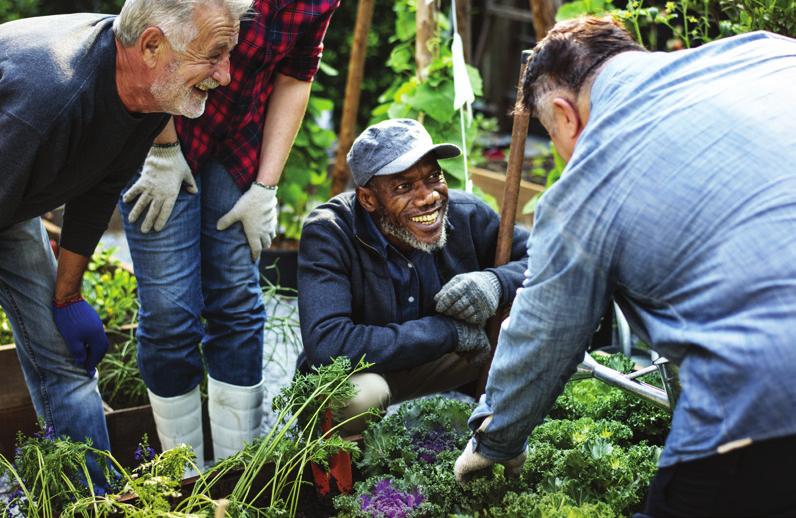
(519, 132)
(353, 91)
(544, 16)
(426, 26)
(464, 26)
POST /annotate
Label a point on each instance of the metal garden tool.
(662, 397)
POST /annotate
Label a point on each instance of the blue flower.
(144, 453)
(48, 434)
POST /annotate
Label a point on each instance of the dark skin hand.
(69, 277)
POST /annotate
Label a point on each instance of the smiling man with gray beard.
(402, 272)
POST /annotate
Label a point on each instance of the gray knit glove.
(471, 338)
(471, 297)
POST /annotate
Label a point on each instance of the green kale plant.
(416, 434)
(547, 505)
(593, 398)
(596, 470)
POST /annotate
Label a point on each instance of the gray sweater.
(65, 136)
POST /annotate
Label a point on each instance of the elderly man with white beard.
(82, 98)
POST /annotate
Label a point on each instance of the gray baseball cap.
(393, 146)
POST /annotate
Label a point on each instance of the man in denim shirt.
(402, 272)
(679, 201)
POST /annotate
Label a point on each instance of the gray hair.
(173, 17)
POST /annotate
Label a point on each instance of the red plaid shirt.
(284, 36)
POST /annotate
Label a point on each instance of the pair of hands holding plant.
(472, 298)
(162, 176)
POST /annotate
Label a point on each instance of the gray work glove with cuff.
(470, 297)
(257, 212)
(162, 176)
(470, 462)
(472, 339)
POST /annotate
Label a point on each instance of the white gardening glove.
(470, 462)
(164, 172)
(257, 212)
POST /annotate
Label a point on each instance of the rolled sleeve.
(304, 59)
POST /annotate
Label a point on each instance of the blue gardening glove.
(470, 297)
(83, 333)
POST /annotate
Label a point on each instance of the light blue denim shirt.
(680, 202)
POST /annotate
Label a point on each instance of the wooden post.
(426, 26)
(519, 132)
(464, 26)
(353, 91)
(544, 16)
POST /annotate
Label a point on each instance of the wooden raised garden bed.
(494, 183)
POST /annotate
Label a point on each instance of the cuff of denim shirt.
(486, 443)
(495, 450)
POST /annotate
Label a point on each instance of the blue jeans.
(197, 286)
(61, 391)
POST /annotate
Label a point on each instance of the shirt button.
(409, 265)
(411, 299)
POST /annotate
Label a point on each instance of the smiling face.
(185, 77)
(409, 207)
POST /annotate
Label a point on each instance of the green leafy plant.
(594, 399)
(48, 471)
(45, 468)
(429, 101)
(120, 382)
(6, 334)
(417, 432)
(110, 289)
(768, 15)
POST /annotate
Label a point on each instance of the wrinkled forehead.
(421, 168)
(215, 28)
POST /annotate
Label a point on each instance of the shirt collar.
(377, 239)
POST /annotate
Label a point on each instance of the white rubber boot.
(235, 415)
(179, 421)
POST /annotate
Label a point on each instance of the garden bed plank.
(494, 183)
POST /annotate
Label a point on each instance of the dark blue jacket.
(347, 303)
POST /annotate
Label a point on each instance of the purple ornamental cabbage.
(432, 442)
(385, 501)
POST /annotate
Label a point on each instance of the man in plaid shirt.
(208, 190)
